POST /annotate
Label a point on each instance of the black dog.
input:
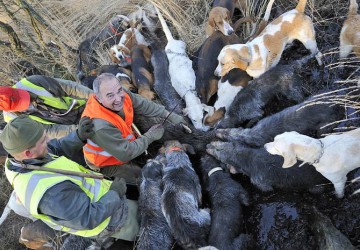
(162, 84)
(249, 103)
(154, 230)
(181, 198)
(265, 170)
(303, 118)
(226, 197)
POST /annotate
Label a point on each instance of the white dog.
(15, 205)
(333, 156)
(183, 76)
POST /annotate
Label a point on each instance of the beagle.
(120, 53)
(350, 32)
(228, 87)
(264, 52)
(334, 156)
(141, 70)
(206, 82)
(221, 14)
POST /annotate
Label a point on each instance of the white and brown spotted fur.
(264, 52)
(121, 52)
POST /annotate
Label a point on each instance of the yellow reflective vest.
(59, 103)
(31, 186)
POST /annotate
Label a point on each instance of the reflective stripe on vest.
(93, 152)
(30, 188)
(8, 116)
(60, 103)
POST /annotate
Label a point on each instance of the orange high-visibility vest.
(92, 152)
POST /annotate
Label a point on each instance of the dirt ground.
(274, 218)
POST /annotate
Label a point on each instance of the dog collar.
(113, 30)
(173, 149)
(168, 51)
(118, 75)
(214, 170)
(321, 152)
(128, 59)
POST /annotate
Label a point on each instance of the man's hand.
(85, 129)
(176, 119)
(155, 132)
(119, 186)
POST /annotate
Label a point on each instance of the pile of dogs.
(227, 87)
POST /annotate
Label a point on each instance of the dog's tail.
(301, 6)
(268, 10)
(164, 25)
(353, 8)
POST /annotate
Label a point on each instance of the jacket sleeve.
(146, 107)
(110, 139)
(60, 87)
(68, 204)
(58, 130)
(69, 146)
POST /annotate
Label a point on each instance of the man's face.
(40, 149)
(111, 95)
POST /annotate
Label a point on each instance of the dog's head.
(231, 57)
(220, 19)
(120, 54)
(286, 145)
(119, 24)
(153, 168)
(172, 145)
(195, 111)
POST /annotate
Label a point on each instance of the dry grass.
(63, 24)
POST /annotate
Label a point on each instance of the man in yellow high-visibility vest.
(54, 102)
(78, 205)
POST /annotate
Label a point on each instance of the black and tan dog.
(228, 87)
(181, 198)
(206, 82)
(154, 230)
(141, 71)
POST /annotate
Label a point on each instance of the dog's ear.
(113, 56)
(211, 21)
(228, 15)
(190, 149)
(289, 158)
